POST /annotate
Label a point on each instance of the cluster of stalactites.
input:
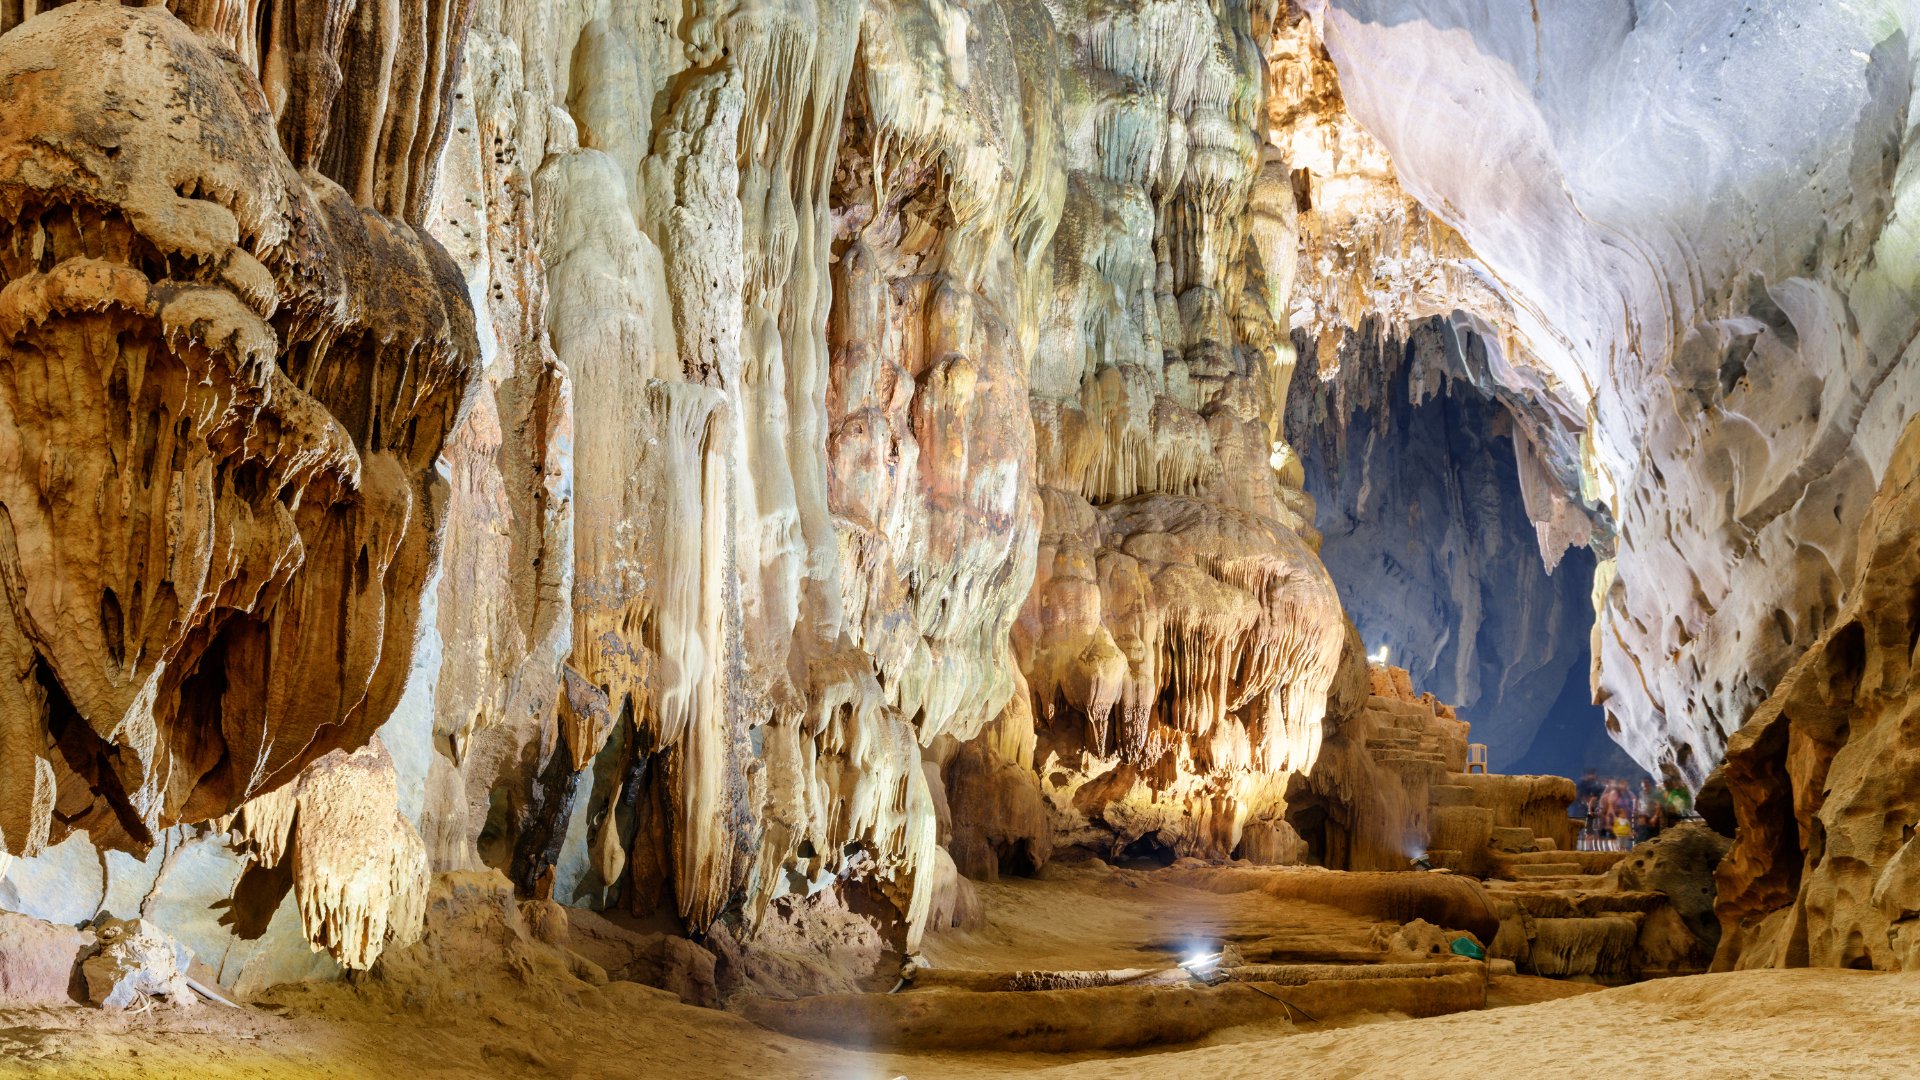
(360, 92)
(1249, 637)
(848, 799)
(1139, 441)
(1370, 257)
(242, 513)
(996, 159)
(1199, 626)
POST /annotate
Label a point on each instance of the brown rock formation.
(1365, 803)
(37, 960)
(359, 871)
(1822, 870)
(226, 386)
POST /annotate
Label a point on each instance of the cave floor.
(1093, 915)
(516, 1023)
(1800, 1023)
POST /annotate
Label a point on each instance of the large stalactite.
(227, 385)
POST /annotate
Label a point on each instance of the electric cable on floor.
(1290, 1006)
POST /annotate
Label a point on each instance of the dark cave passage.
(1426, 531)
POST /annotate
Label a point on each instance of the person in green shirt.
(1677, 799)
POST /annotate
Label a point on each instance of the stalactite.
(359, 869)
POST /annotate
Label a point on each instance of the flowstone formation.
(919, 462)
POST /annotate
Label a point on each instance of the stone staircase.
(1563, 912)
(1395, 774)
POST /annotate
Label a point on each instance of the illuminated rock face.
(1702, 222)
(1823, 778)
(924, 372)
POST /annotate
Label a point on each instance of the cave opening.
(1147, 853)
(1413, 455)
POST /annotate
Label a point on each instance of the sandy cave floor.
(1803, 1023)
(1092, 915)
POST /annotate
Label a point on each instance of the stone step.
(1312, 954)
(1552, 903)
(1302, 974)
(1042, 979)
(1398, 708)
(1589, 862)
(1424, 757)
(1601, 947)
(1450, 795)
(1513, 840)
(1542, 870)
(1393, 742)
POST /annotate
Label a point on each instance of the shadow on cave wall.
(1426, 533)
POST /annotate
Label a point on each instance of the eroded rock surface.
(1745, 366)
(1824, 869)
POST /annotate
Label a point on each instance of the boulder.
(135, 962)
(36, 960)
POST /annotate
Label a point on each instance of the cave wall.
(1699, 216)
(1416, 475)
(1824, 778)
